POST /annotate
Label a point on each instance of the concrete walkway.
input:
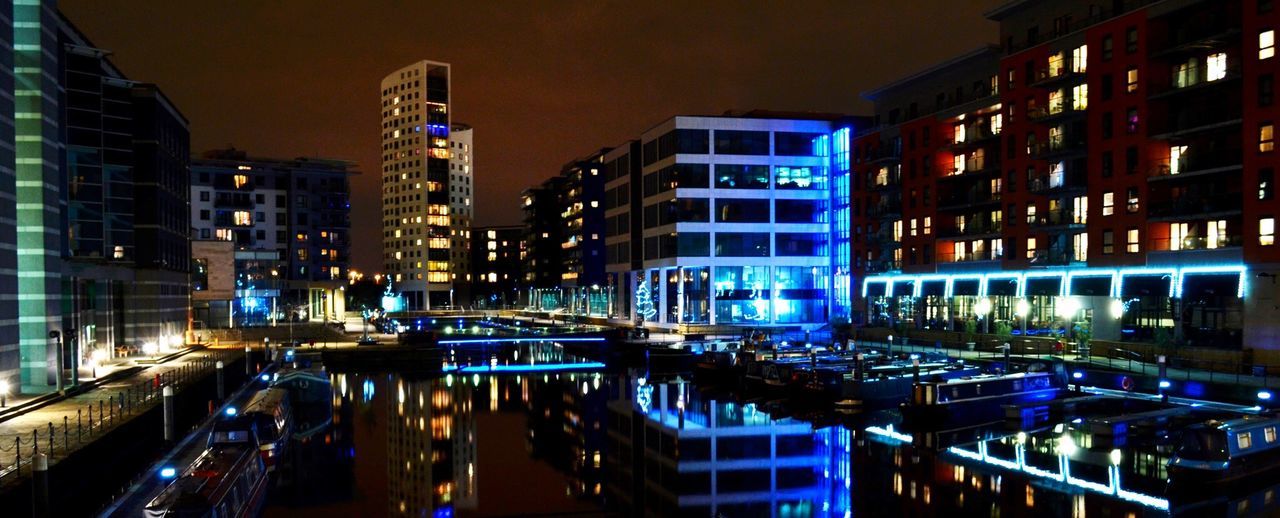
(60, 425)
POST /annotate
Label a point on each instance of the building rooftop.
(980, 52)
(232, 156)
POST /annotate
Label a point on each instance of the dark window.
(794, 144)
(1131, 121)
(1130, 160)
(807, 245)
(1108, 85)
(204, 195)
(1108, 242)
(686, 210)
(742, 244)
(684, 175)
(1266, 89)
(1264, 6)
(1108, 125)
(1266, 183)
(731, 142)
(1131, 40)
(693, 244)
(1106, 47)
(800, 211)
(1011, 149)
(692, 141)
(925, 137)
(204, 215)
(729, 210)
(650, 152)
(650, 184)
(733, 176)
(1107, 164)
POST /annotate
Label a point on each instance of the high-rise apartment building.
(1106, 167)
(423, 209)
(461, 209)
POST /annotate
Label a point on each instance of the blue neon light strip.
(1112, 488)
(551, 367)
(1177, 276)
(521, 340)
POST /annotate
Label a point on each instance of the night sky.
(542, 82)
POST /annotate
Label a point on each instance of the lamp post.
(1067, 309)
(1023, 310)
(57, 338)
(982, 309)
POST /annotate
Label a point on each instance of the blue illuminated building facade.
(673, 451)
(735, 222)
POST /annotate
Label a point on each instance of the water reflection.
(529, 442)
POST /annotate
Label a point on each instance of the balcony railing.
(1056, 256)
(983, 255)
(974, 227)
(1058, 218)
(1051, 76)
(1059, 181)
(1058, 147)
(884, 265)
(1196, 205)
(974, 133)
(1193, 163)
(887, 180)
(885, 209)
(978, 195)
(1201, 120)
(1198, 243)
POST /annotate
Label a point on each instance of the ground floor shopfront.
(1221, 306)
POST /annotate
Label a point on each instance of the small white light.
(231, 410)
(1164, 384)
(1264, 395)
(1116, 456)
(168, 472)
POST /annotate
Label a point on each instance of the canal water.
(528, 429)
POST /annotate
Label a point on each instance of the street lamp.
(150, 349)
(96, 359)
(1067, 308)
(1023, 310)
(982, 309)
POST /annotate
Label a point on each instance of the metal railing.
(96, 418)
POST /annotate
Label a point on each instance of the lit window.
(1131, 80)
(1080, 97)
(242, 217)
(1244, 440)
(1131, 241)
(1266, 138)
(913, 227)
(1217, 66)
(1270, 433)
(1267, 231)
(1266, 44)
(1055, 64)
(928, 224)
(997, 123)
(1079, 59)
(1177, 159)
(1081, 243)
(240, 180)
(1031, 248)
(1108, 203)
(959, 138)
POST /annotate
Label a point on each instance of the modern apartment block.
(93, 172)
(495, 266)
(703, 221)
(426, 200)
(290, 222)
(461, 209)
(735, 214)
(541, 254)
(1106, 167)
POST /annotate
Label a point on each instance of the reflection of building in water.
(1011, 474)
(566, 428)
(671, 452)
(425, 460)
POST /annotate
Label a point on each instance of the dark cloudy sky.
(542, 82)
